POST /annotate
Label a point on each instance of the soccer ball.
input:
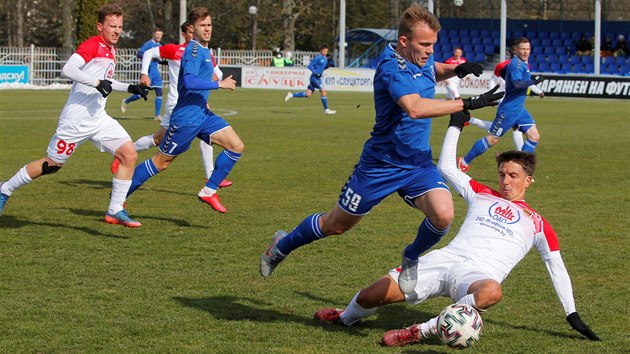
(459, 326)
(458, 2)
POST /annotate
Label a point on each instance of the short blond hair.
(414, 15)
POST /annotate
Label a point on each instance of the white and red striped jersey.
(452, 60)
(85, 104)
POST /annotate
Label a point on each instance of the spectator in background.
(607, 47)
(452, 84)
(288, 59)
(330, 63)
(278, 60)
(583, 47)
(621, 48)
(154, 74)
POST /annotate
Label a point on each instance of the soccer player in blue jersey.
(511, 111)
(317, 67)
(154, 75)
(397, 157)
(191, 117)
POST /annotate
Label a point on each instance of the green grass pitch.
(188, 281)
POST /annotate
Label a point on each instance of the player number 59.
(351, 200)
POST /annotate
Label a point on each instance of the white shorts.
(108, 135)
(442, 274)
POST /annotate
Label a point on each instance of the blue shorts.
(505, 121)
(316, 83)
(156, 78)
(368, 186)
(178, 138)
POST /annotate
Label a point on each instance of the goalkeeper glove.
(141, 90)
(468, 68)
(576, 322)
(459, 119)
(485, 99)
(104, 87)
(537, 79)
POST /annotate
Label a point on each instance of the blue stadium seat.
(560, 50)
(624, 69)
(478, 48)
(575, 36)
(468, 48)
(487, 40)
(609, 69)
(530, 35)
(589, 67)
(607, 60)
(566, 68)
(557, 42)
(542, 67)
(545, 42)
(496, 34)
(535, 42)
(554, 35)
(543, 35)
(480, 57)
(475, 40)
(488, 49)
(574, 58)
(539, 58)
(517, 34)
(586, 59)
(563, 58)
(620, 60)
(565, 36)
(537, 50)
(554, 67)
(474, 33)
(549, 51)
(450, 33)
(484, 34)
(464, 33)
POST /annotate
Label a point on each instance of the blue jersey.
(397, 139)
(317, 65)
(191, 107)
(154, 72)
(517, 80)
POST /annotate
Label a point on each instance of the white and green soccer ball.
(459, 326)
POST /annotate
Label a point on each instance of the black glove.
(576, 322)
(485, 99)
(459, 119)
(537, 79)
(139, 90)
(104, 87)
(468, 68)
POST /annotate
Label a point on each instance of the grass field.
(188, 281)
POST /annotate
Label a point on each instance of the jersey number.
(63, 147)
(351, 200)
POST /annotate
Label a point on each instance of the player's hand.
(141, 90)
(485, 99)
(576, 322)
(104, 87)
(459, 119)
(537, 79)
(468, 68)
(541, 94)
(228, 83)
(145, 80)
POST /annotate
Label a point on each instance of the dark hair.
(184, 26)
(416, 14)
(521, 40)
(525, 159)
(198, 13)
(109, 10)
(157, 29)
(323, 47)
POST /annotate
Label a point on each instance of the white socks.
(517, 137)
(207, 158)
(354, 312)
(206, 191)
(119, 194)
(429, 328)
(18, 180)
(144, 143)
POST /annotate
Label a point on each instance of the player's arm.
(448, 155)
(72, 70)
(547, 245)
(537, 91)
(147, 58)
(444, 71)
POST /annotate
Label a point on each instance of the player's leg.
(480, 123)
(517, 138)
(324, 95)
(501, 124)
(430, 194)
(158, 102)
(207, 158)
(528, 126)
(128, 100)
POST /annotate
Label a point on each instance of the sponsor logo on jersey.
(110, 71)
(504, 213)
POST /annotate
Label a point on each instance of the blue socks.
(529, 146)
(305, 233)
(325, 102)
(222, 167)
(427, 237)
(478, 148)
(158, 105)
(299, 94)
(141, 174)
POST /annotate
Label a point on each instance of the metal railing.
(45, 63)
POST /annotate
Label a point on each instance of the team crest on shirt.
(109, 73)
(504, 213)
(432, 71)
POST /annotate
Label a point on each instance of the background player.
(317, 67)
(154, 74)
(172, 53)
(84, 118)
(191, 117)
(498, 79)
(498, 231)
(511, 111)
(452, 84)
(397, 158)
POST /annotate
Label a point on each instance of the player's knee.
(48, 169)
(128, 157)
(489, 295)
(308, 93)
(492, 140)
(238, 147)
(365, 300)
(443, 217)
(534, 136)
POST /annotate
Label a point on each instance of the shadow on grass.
(94, 184)
(8, 221)
(99, 214)
(536, 330)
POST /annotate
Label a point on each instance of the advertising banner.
(12, 74)
(586, 86)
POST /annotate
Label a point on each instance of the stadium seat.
(518, 34)
(565, 36)
(535, 42)
(480, 57)
(589, 67)
(488, 49)
(554, 67)
(543, 35)
(563, 58)
(559, 50)
(530, 35)
(539, 58)
(464, 33)
(566, 68)
(537, 50)
(475, 40)
(609, 69)
(467, 48)
(624, 69)
(542, 67)
(487, 41)
(484, 34)
(554, 35)
(586, 59)
(474, 33)
(620, 60)
(545, 43)
(549, 51)
(575, 36)
(557, 43)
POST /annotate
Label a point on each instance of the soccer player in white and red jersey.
(84, 118)
(452, 84)
(499, 230)
(172, 53)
